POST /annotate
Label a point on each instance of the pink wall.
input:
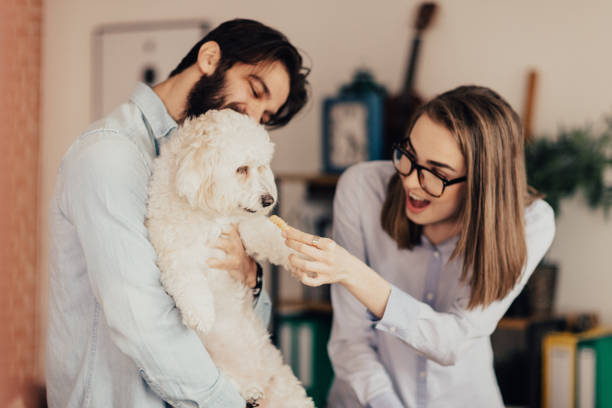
(20, 56)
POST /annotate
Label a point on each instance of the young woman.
(429, 252)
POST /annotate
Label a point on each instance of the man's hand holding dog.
(239, 265)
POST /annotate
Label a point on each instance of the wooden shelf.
(574, 320)
(294, 307)
(515, 323)
(313, 179)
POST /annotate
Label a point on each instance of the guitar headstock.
(426, 13)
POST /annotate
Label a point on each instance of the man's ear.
(209, 57)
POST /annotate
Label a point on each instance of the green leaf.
(573, 162)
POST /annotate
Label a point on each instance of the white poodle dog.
(215, 172)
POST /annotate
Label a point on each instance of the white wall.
(491, 43)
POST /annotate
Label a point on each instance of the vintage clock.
(352, 124)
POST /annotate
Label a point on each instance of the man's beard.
(206, 94)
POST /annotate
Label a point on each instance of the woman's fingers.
(310, 273)
(300, 236)
(308, 244)
(307, 266)
(320, 267)
(312, 281)
(305, 249)
(310, 278)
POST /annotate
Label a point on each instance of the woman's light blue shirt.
(428, 350)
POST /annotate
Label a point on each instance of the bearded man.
(115, 337)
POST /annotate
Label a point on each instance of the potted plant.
(575, 161)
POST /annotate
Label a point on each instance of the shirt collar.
(153, 110)
(446, 247)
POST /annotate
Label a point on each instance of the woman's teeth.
(416, 198)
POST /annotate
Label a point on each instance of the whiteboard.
(124, 54)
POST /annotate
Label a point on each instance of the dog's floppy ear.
(195, 167)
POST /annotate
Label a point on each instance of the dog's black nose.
(267, 200)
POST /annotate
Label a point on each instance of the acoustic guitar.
(400, 108)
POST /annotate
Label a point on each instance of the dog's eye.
(242, 170)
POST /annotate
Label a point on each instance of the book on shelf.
(577, 369)
(594, 372)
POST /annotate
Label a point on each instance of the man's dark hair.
(250, 42)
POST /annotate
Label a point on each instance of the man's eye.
(254, 91)
(242, 170)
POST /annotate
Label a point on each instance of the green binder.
(303, 337)
(594, 372)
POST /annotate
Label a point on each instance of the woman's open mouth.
(416, 204)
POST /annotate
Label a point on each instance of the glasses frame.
(414, 165)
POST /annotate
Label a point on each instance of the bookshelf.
(301, 325)
(517, 352)
(317, 187)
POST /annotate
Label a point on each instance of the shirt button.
(422, 374)
(429, 296)
(392, 329)
(436, 254)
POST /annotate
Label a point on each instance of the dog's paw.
(253, 396)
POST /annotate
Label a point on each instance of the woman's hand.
(237, 263)
(326, 261)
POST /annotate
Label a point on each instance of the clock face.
(348, 133)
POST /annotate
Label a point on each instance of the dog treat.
(279, 222)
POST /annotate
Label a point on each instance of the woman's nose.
(411, 181)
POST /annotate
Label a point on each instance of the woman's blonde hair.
(492, 239)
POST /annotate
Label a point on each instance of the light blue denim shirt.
(429, 349)
(114, 337)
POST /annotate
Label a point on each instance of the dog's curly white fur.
(215, 171)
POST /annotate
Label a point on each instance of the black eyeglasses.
(429, 181)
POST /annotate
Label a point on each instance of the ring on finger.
(315, 242)
(312, 275)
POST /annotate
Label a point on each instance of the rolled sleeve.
(106, 197)
(401, 312)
